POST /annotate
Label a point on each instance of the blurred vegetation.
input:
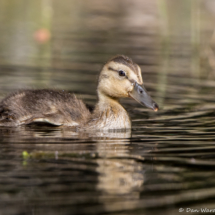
(165, 36)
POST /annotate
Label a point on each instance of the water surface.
(165, 163)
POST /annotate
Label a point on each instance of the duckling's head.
(120, 78)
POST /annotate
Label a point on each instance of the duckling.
(120, 77)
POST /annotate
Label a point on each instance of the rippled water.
(165, 163)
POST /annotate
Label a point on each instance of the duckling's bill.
(140, 94)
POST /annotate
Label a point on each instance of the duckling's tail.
(6, 117)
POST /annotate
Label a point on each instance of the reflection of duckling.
(119, 78)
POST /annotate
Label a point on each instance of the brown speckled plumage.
(52, 106)
(119, 78)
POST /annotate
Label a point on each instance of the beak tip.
(155, 107)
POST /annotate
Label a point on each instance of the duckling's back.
(56, 107)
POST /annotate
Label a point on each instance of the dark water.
(166, 163)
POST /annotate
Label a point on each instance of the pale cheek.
(129, 89)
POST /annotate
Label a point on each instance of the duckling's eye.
(121, 73)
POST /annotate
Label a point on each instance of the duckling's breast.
(109, 118)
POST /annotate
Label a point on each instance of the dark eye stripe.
(110, 68)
